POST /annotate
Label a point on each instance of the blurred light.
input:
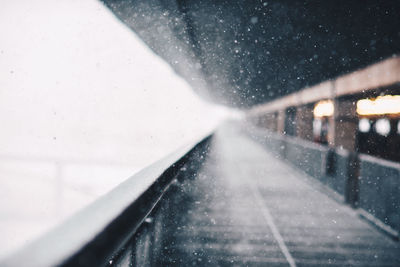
(398, 127)
(323, 108)
(388, 104)
(317, 126)
(382, 127)
(364, 125)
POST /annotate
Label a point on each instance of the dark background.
(241, 53)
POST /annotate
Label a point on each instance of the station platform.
(247, 208)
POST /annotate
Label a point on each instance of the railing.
(96, 235)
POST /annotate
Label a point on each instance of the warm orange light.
(323, 108)
(388, 104)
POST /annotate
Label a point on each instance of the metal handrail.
(95, 234)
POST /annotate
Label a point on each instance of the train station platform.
(245, 207)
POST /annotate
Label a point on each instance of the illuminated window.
(388, 104)
(364, 125)
(323, 109)
(382, 127)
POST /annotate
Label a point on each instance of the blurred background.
(84, 104)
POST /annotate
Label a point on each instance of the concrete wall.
(309, 157)
(337, 173)
(380, 189)
(304, 122)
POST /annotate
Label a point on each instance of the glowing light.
(382, 127)
(388, 104)
(364, 125)
(323, 108)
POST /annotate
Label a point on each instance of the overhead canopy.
(242, 53)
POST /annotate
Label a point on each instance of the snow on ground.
(84, 104)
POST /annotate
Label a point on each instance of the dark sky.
(241, 53)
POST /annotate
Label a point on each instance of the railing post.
(352, 185)
(330, 162)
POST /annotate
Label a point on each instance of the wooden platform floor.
(247, 208)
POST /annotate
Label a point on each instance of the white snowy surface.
(84, 104)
